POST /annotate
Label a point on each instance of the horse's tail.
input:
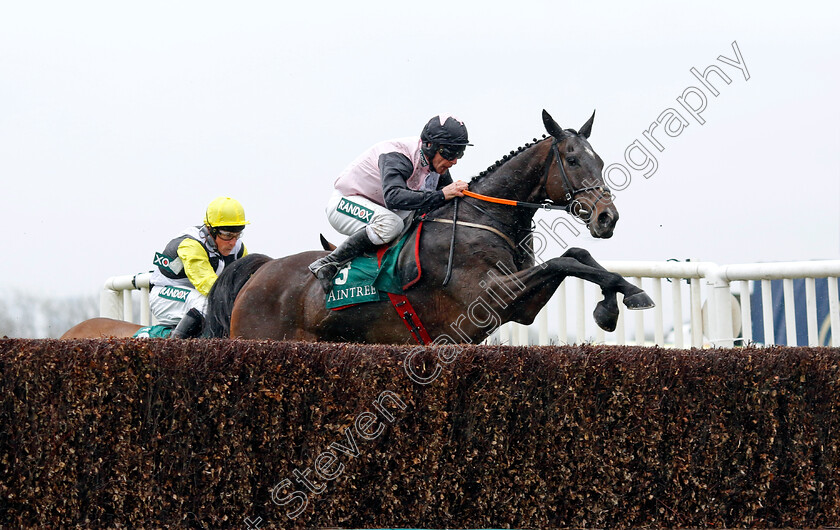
(224, 291)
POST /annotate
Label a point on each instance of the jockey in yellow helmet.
(190, 264)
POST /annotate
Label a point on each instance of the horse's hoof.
(605, 318)
(639, 300)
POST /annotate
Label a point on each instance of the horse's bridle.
(548, 204)
(571, 193)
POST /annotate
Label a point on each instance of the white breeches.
(348, 215)
(169, 304)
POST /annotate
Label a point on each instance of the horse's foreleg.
(518, 296)
(521, 295)
(634, 297)
(623, 286)
(530, 289)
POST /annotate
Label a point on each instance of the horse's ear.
(552, 127)
(326, 245)
(586, 130)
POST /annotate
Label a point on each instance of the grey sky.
(121, 121)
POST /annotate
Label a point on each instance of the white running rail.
(696, 305)
(702, 292)
(115, 300)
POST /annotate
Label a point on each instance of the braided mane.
(509, 156)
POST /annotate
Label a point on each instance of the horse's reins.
(571, 193)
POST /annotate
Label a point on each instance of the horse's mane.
(223, 293)
(496, 165)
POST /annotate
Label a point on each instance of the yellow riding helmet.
(224, 211)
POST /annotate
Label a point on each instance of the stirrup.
(325, 275)
(314, 267)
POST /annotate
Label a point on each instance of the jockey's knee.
(384, 229)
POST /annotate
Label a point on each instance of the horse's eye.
(572, 161)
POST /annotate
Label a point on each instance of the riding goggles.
(227, 235)
(452, 152)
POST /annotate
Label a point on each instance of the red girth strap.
(410, 318)
(404, 308)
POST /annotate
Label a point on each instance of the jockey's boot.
(189, 326)
(327, 267)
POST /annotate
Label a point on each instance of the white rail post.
(746, 313)
(620, 335)
(640, 317)
(658, 326)
(504, 334)
(145, 311)
(580, 329)
(522, 332)
(834, 311)
(720, 309)
(542, 321)
(811, 312)
(767, 313)
(128, 307)
(676, 296)
(562, 315)
(790, 312)
(696, 314)
(111, 303)
(142, 282)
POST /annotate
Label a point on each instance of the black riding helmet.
(447, 131)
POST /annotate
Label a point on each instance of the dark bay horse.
(493, 277)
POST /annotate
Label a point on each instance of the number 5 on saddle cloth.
(368, 278)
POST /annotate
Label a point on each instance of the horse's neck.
(517, 179)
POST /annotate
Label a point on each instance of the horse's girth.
(499, 233)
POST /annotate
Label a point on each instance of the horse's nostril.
(604, 219)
